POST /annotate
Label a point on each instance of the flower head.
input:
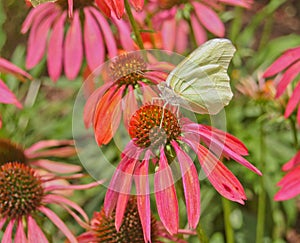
(175, 17)
(161, 136)
(290, 183)
(25, 197)
(88, 35)
(128, 79)
(6, 96)
(289, 63)
(102, 228)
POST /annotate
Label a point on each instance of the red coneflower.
(160, 136)
(25, 197)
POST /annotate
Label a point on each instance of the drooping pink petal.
(290, 185)
(219, 176)
(35, 234)
(7, 236)
(124, 191)
(143, 196)
(240, 3)
(298, 115)
(287, 77)
(165, 195)
(293, 101)
(124, 34)
(103, 7)
(137, 4)
(108, 115)
(73, 49)
(129, 106)
(191, 185)
(70, 8)
(55, 48)
(35, 14)
(57, 199)
(91, 104)
(117, 6)
(54, 187)
(182, 36)
(199, 32)
(20, 236)
(110, 41)
(45, 144)
(59, 223)
(38, 39)
(8, 67)
(168, 31)
(93, 41)
(285, 60)
(209, 19)
(8, 97)
(57, 167)
(292, 163)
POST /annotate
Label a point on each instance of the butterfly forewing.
(201, 80)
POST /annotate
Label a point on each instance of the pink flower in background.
(87, 34)
(290, 183)
(25, 200)
(161, 137)
(289, 63)
(174, 18)
(117, 6)
(38, 155)
(125, 74)
(6, 95)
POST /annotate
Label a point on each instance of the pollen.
(127, 69)
(10, 152)
(153, 125)
(21, 190)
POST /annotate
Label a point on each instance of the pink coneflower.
(25, 197)
(102, 228)
(290, 183)
(289, 62)
(6, 96)
(117, 6)
(175, 17)
(38, 155)
(162, 137)
(88, 35)
(125, 74)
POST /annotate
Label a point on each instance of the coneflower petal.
(35, 234)
(20, 236)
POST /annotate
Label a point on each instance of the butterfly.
(200, 83)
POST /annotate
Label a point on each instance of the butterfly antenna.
(163, 115)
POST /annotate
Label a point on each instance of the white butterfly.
(200, 82)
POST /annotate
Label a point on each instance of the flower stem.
(134, 25)
(201, 234)
(261, 212)
(294, 131)
(228, 227)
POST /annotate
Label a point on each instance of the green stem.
(201, 234)
(134, 26)
(294, 131)
(228, 227)
(261, 212)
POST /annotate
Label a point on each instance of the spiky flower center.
(167, 4)
(21, 190)
(130, 231)
(10, 152)
(153, 125)
(127, 69)
(77, 4)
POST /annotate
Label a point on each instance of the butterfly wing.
(201, 80)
